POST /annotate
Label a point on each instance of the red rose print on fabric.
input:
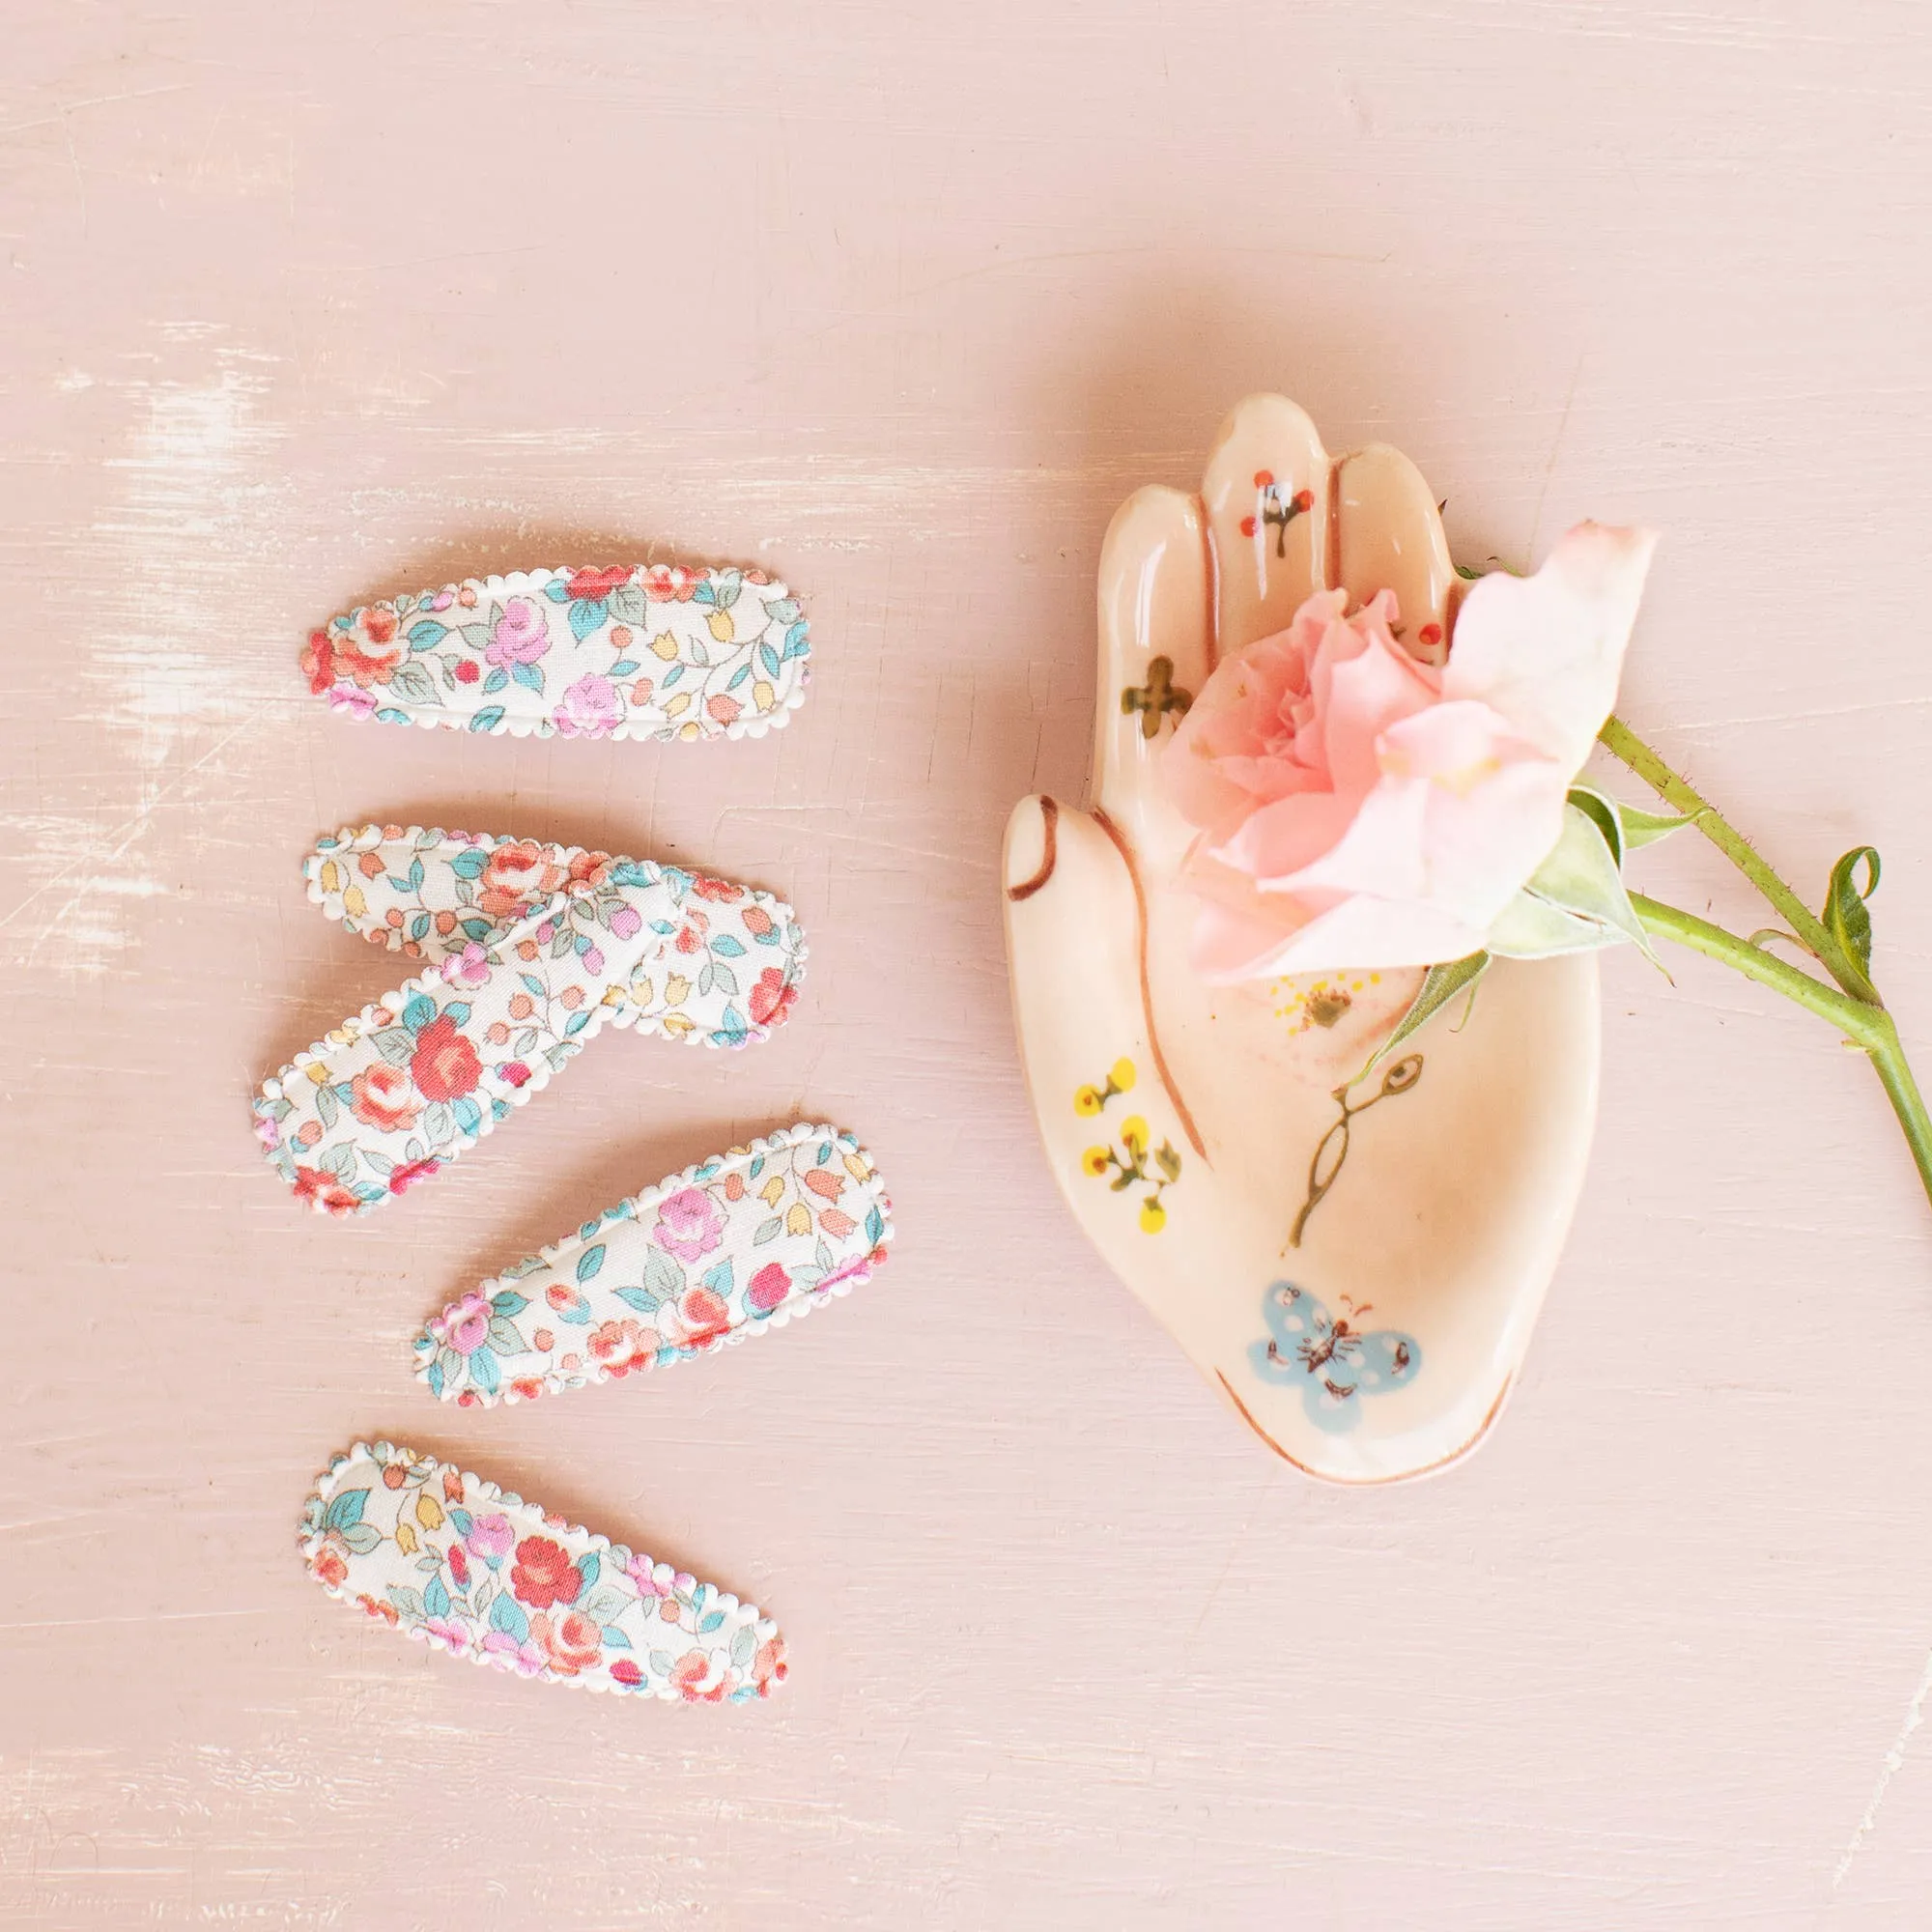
(543, 1574)
(445, 1064)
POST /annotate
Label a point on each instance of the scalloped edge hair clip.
(465, 1567)
(532, 949)
(745, 1241)
(653, 651)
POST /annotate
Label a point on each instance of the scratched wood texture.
(301, 305)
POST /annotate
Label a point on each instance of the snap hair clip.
(634, 651)
(531, 950)
(742, 1242)
(465, 1567)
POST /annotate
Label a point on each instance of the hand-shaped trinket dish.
(1352, 1248)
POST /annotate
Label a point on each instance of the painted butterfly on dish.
(1329, 1355)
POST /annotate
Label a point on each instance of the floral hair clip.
(531, 950)
(739, 1243)
(645, 651)
(465, 1567)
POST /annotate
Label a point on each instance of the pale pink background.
(304, 305)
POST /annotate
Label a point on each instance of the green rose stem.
(1853, 1005)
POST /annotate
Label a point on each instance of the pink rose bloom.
(642, 1573)
(689, 1223)
(1359, 809)
(695, 1319)
(466, 1326)
(491, 1536)
(590, 708)
(469, 968)
(520, 636)
(768, 1288)
(453, 1637)
(524, 1659)
(352, 700)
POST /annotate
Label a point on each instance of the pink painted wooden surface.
(302, 306)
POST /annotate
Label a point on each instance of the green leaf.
(1575, 901)
(1625, 827)
(1846, 918)
(604, 1605)
(345, 1508)
(662, 1275)
(1646, 828)
(412, 683)
(1439, 986)
(1605, 812)
(589, 1262)
(396, 1044)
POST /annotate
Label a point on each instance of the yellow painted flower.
(1087, 1102)
(331, 876)
(677, 1025)
(1134, 1132)
(798, 1218)
(406, 1539)
(664, 645)
(1153, 1216)
(1121, 1074)
(676, 988)
(764, 697)
(353, 901)
(1095, 1160)
(774, 1186)
(722, 628)
(677, 704)
(318, 1072)
(429, 1512)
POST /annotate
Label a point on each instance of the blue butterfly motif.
(1329, 1356)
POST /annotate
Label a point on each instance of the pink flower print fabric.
(457, 1563)
(650, 651)
(737, 1244)
(523, 973)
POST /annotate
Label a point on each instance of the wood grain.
(302, 306)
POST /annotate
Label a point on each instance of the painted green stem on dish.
(1853, 1005)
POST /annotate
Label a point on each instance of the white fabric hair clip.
(465, 1567)
(635, 651)
(737, 1244)
(532, 949)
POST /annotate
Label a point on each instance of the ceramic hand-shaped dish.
(1355, 1260)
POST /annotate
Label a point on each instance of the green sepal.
(1626, 828)
(1574, 901)
(1439, 986)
